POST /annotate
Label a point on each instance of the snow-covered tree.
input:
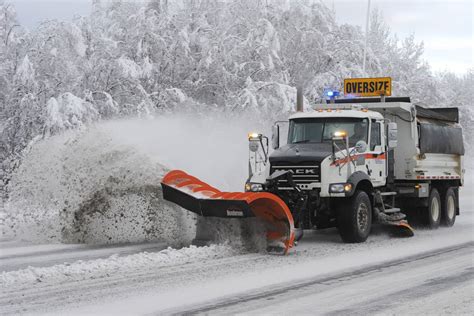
(145, 58)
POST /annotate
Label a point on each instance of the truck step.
(388, 193)
(391, 210)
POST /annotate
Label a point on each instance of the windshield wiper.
(301, 141)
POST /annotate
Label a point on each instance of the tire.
(448, 208)
(354, 218)
(431, 215)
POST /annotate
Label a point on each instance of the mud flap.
(204, 200)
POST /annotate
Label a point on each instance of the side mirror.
(275, 136)
(361, 146)
(392, 135)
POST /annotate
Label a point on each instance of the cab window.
(375, 135)
(320, 130)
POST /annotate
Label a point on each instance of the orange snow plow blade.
(204, 200)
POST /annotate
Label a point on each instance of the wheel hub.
(362, 217)
(435, 209)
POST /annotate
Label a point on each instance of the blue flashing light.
(331, 93)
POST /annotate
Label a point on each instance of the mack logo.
(300, 171)
(235, 213)
(305, 171)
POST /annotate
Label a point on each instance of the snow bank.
(100, 268)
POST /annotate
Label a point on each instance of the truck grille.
(304, 173)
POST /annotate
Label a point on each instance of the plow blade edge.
(397, 223)
(207, 201)
(401, 229)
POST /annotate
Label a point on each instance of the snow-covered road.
(222, 280)
(430, 273)
(379, 288)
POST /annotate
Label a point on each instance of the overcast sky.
(445, 26)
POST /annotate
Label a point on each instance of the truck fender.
(362, 179)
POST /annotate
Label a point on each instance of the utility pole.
(299, 98)
(366, 34)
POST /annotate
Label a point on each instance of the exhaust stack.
(299, 99)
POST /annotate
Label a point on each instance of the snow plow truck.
(348, 164)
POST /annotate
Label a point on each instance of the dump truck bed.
(430, 141)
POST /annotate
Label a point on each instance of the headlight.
(340, 187)
(253, 187)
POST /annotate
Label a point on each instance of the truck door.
(376, 156)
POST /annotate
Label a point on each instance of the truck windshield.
(320, 130)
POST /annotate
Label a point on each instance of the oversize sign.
(368, 87)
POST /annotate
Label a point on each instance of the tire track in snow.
(236, 303)
(434, 285)
(51, 295)
(64, 254)
(35, 298)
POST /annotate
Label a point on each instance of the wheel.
(354, 218)
(448, 208)
(431, 214)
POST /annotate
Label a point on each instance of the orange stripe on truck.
(355, 157)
